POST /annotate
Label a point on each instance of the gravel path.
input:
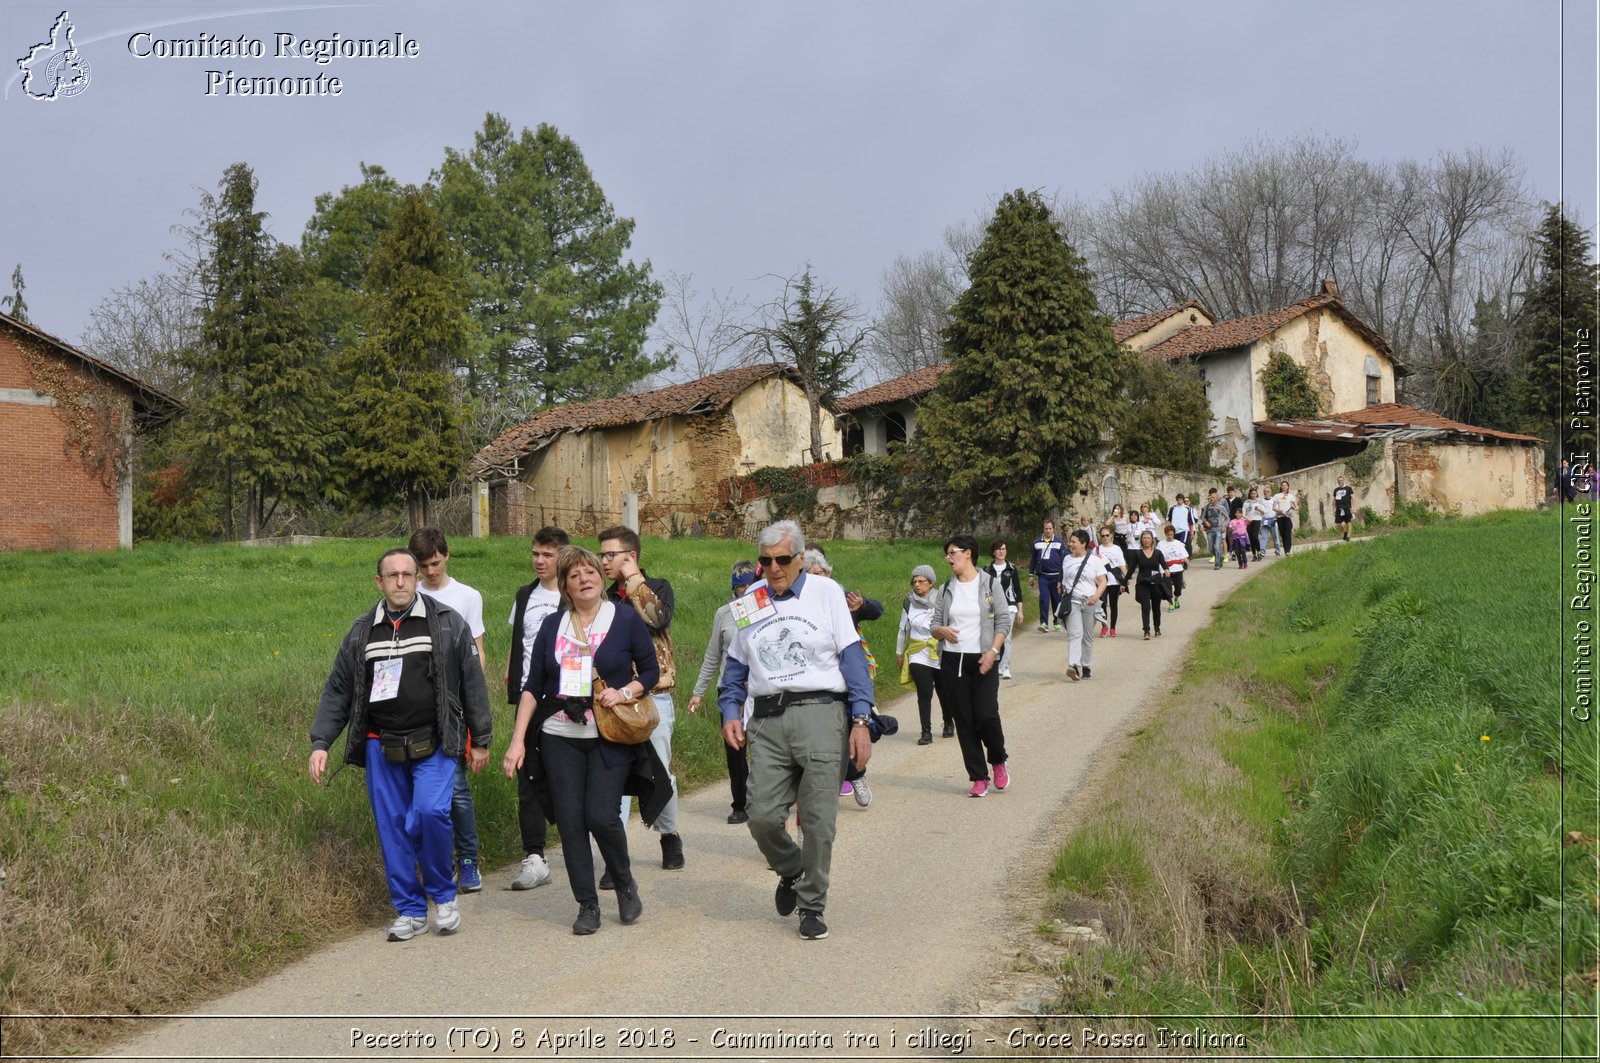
(918, 911)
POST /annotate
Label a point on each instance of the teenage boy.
(428, 546)
(1343, 504)
(1215, 519)
(534, 602)
(619, 556)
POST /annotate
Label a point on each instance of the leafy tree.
(1033, 379)
(1165, 420)
(1555, 330)
(1288, 389)
(400, 407)
(258, 393)
(14, 304)
(562, 314)
(811, 329)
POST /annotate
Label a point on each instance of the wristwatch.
(858, 721)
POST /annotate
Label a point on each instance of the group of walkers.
(591, 675)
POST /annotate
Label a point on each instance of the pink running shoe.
(1103, 630)
(1002, 778)
(845, 789)
(1113, 632)
(979, 788)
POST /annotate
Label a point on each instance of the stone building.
(67, 428)
(672, 450)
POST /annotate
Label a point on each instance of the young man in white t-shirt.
(533, 603)
(432, 552)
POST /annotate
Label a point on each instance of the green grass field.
(161, 838)
(1361, 801)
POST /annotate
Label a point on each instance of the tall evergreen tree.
(15, 305)
(402, 415)
(1556, 331)
(563, 314)
(1033, 379)
(810, 329)
(259, 392)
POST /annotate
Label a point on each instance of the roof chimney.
(1330, 288)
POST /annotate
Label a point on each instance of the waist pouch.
(402, 747)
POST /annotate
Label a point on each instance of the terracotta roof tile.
(1130, 327)
(1242, 331)
(707, 394)
(1394, 414)
(909, 386)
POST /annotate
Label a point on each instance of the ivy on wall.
(1288, 390)
(96, 415)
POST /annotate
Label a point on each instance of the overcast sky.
(747, 138)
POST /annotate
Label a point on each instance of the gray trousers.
(1081, 632)
(802, 756)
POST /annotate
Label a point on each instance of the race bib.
(385, 680)
(754, 607)
(577, 676)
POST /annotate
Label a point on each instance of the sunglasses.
(781, 560)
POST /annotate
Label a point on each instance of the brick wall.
(48, 499)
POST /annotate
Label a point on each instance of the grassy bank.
(1355, 805)
(161, 841)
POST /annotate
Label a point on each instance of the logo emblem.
(55, 68)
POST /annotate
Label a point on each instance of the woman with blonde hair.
(589, 653)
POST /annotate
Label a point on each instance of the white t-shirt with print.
(541, 603)
(1285, 504)
(1112, 558)
(1175, 553)
(1093, 569)
(798, 647)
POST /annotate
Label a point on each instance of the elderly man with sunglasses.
(803, 662)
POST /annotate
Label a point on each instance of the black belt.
(774, 704)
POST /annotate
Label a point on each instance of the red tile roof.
(1130, 327)
(900, 388)
(1243, 331)
(705, 395)
(1398, 415)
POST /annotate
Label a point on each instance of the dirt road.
(918, 912)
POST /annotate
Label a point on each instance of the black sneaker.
(926, 739)
(786, 898)
(671, 852)
(588, 920)
(606, 881)
(812, 928)
(738, 815)
(629, 906)
(1086, 671)
(949, 730)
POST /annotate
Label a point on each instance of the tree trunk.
(816, 426)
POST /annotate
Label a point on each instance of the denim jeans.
(661, 738)
(1214, 536)
(1269, 534)
(463, 819)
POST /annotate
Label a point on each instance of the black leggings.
(1255, 538)
(1286, 533)
(1111, 597)
(1149, 605)
(927, 679)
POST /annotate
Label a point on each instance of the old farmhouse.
(67, 428)
(671, 449)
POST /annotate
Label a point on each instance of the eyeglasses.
(607, 555)
(781, 560)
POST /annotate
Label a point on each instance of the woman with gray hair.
(917, 653)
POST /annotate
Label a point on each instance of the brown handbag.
(626, 723)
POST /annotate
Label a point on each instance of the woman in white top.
(1083, 582)
(1269, 524)
(1287, 507)
(1121, 526)
(1255, 511)
(972, 620)
(1177, 558)
(917, 652)
(1116, 561)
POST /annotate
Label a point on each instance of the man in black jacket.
(408, 685)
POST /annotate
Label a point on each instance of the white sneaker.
(534, 872)
(407, 927)
(447, 917)
(863, 793)
(1005, 673)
